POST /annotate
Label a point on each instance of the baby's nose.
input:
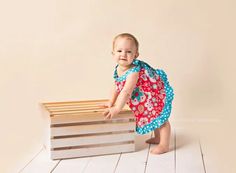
(123, 53)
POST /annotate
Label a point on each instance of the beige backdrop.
(61, 50)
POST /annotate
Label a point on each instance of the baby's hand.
(110, 112)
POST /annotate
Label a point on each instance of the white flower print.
(143, 98)
(149, 105)
(149, 95)
(134, 101)
(142, 122)
(154, 99)
(154, 86)
(153, 112)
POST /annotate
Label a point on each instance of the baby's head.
(125, 48)
(128, 37)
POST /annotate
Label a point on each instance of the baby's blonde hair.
(128, 36)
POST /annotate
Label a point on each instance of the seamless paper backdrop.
(61, 51)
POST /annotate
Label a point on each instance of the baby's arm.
(124, 95)
(114, 96)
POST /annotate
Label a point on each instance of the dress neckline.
(135, 68)
(124, 74)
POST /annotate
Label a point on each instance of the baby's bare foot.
(153, 141)
(160, 149)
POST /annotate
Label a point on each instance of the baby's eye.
(129, 51)
(119, 51)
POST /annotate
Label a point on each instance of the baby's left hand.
(110, 112)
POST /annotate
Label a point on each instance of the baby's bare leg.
(155, 139)
(163, 146)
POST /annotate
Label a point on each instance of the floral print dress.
(151, 100)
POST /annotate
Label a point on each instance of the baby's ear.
(137, 54)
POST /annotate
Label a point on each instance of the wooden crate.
(78, 129)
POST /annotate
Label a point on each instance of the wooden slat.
(40, 164)
(102, 164)
(73, 118)
(57, 154)
(77, 112)
(73, 108)
(77, 104)
(135, 162)
(188, 153)
(55, 106)
(72, 165)
(98, 105)
(98, 111)
(88, 129)
(80, 107)
(69, 109)
(48, 104)
(88, 140)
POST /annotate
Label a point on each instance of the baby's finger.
(106, 112)
(108, 116)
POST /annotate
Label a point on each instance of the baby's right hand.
(110, 112)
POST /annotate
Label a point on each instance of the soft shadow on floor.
(179, 139)
(184, 138)
(140, 143)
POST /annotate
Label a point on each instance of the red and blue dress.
(151, 100)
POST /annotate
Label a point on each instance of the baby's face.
(124, 51)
